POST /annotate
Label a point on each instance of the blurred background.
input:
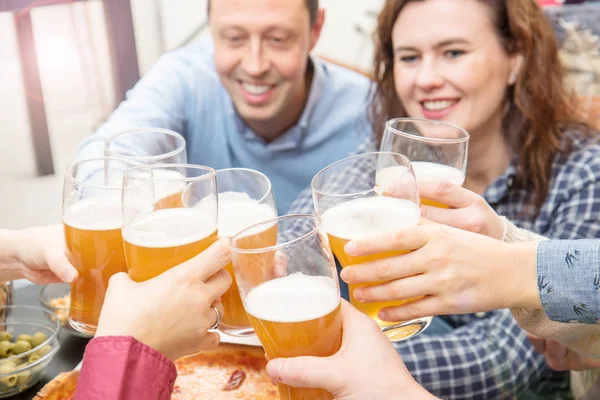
(81, 79)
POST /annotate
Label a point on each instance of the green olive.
(23, 378)
(21, 346)
(6, 348)
(5, 336)
(9, 381)
(7, 368)
(26, 338)
(44, 350)
(33, 358)
(37, 339)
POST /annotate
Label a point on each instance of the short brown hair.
(312, 5)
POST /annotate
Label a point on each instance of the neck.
(290, 115)
(489, 156)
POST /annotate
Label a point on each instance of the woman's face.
(450, 65)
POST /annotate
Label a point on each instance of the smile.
(256, 89)
(438, 105)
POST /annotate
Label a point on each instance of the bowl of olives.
(28, 342)
(55, 297)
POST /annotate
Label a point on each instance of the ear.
(516, 63)
(317, 26)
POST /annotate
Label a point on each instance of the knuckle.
(444, 187)
(397, 289)
(413, 310)
(383, 271)
(117, 279)
(475, 224)
(224, 250)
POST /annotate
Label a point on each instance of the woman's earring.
(513, 78)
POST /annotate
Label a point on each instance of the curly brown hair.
(539, 107)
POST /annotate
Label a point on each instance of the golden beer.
(95, 247)
(237, 211)
(168, 188)
(428, 170)
(362, 218)
(297, 315)
(163, 239)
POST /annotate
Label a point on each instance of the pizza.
(229, 372)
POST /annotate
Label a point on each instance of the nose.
(429, 75)
(255, 62)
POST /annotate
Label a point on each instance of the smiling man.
(252, 96)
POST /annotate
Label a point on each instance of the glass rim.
(210, 172)
(280, 245)
(168, 132)
(266, 178)
(465, 138)
(371, 153)
(72, 179)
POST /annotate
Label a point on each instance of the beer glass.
(245, 199)
(153, 146)
(362, 205)
(290, 292)
(158, 236)
(92, 223)
(148, 146)
(436, 149)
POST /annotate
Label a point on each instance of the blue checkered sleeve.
(484, 358)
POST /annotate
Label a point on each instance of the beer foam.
(428, 170)
(237, 211)
(169, 227)
(101, 213)
(293, 298)
(367, 216)
(167, 182)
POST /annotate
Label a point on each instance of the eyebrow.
(439, 45)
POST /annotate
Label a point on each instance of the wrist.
(10, 258)
(522, 285)
(9, 253)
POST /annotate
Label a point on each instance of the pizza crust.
(60, 388)
(202, 376)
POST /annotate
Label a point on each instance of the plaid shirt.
(488, 356)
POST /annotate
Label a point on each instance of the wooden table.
(123, 54)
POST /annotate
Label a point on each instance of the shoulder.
(341, 79)
(195, 60)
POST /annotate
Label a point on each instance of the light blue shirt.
(182, 92)
(569, 279)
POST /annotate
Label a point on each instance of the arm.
(121, 368)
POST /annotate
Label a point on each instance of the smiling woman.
(490, 67)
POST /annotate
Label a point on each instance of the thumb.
(61, 267)
(304, 372)
(356, 324)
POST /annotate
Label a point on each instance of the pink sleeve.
(121, 368)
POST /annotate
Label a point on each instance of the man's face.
(261, 51)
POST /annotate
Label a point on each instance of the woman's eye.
(454, 53)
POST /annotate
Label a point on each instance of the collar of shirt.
(290, 138)
(500, 187)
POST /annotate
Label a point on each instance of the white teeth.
(438, 104)
(255, 89)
